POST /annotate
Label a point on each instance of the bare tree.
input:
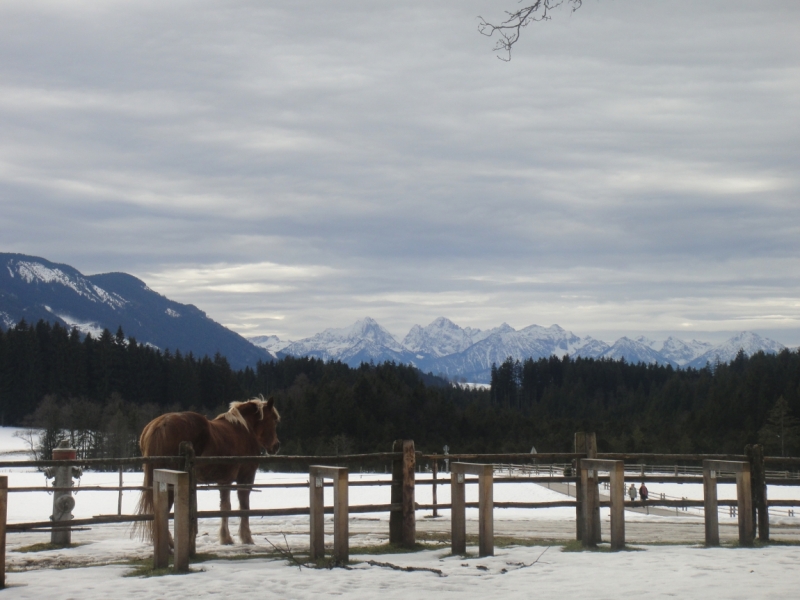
(510, 29)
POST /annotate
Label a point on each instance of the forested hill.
(112, 384)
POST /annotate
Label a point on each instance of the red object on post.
(65, 454)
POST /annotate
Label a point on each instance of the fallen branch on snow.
(376, 563)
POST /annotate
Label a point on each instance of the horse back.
(164, 434)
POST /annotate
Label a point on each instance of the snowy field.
(684, 569)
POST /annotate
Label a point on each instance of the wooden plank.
(434, 486)
(728, 466)
(588, 507)
(458, 525)
(341, 535)
(755, 453)
(316, 501)
(3, 520)
(580, 447)
(182, 524)
(710, 505)
(396, 516)
(409, 524)
(161, 524)
(618, 506)
(485, 512)
(187, 451)
(745, 508)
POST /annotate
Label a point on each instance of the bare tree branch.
(510, 29)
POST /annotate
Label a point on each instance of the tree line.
(100, 392)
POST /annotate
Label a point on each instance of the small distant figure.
(643, 495)
(632, 492)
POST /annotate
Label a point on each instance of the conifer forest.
(103, 390)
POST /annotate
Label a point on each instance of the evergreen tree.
(781, 429)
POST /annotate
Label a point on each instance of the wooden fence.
(405, 461)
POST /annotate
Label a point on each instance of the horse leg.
(225, 504)
(244, 523)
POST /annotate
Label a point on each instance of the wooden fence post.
(396, 514)
(435, 471)
(316, 505)
(743, 496)
(744, 499)
(618, 506)
(402, 524)
(580, 447)
(586, 443)
(485, 511)
(710, 505)
(458, 533)
(409, 528)
(458, 526)
(163, 479)
(187, 451)
(3, 519)
(341, 505)
(755, 453)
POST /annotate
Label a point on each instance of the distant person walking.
(643, 495)
(632, 492)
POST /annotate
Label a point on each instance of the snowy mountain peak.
(440, 338)
(41, 272)
(746, 341)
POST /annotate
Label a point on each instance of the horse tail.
(152, 443)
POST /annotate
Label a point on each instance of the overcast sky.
(291, 166)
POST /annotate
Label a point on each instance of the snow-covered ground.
(685, 570)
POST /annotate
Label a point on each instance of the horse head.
(261, 418)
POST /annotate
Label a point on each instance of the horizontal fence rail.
(540, 468)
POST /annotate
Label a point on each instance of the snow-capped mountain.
(466, 354)
(634, 351)
(364, 341)
(747, 340)
(271, 343)
(32, 288)
(682, 353)
(475, 363)
(441, 338)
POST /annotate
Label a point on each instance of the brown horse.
(246, 429)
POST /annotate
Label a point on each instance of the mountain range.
(33, 288)
(466, 354)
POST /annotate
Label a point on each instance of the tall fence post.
(711, 469)
(710, 505)
(458, 533)
(3, 519)
(163, 479)
(409, 535)
(755, 454)
(435, 471)
(396, 514)
(586, 443)
(341, 506)
(187, 451)
(402, 523)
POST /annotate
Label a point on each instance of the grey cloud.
(633, 162)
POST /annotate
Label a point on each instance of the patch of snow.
(32, 272)
(83, 326)
(172, 313)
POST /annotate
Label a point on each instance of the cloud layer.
(292, 166)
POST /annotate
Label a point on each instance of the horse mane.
(234, 415)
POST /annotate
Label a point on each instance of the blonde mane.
(234, 416)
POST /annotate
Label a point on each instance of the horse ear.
(270, 402)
